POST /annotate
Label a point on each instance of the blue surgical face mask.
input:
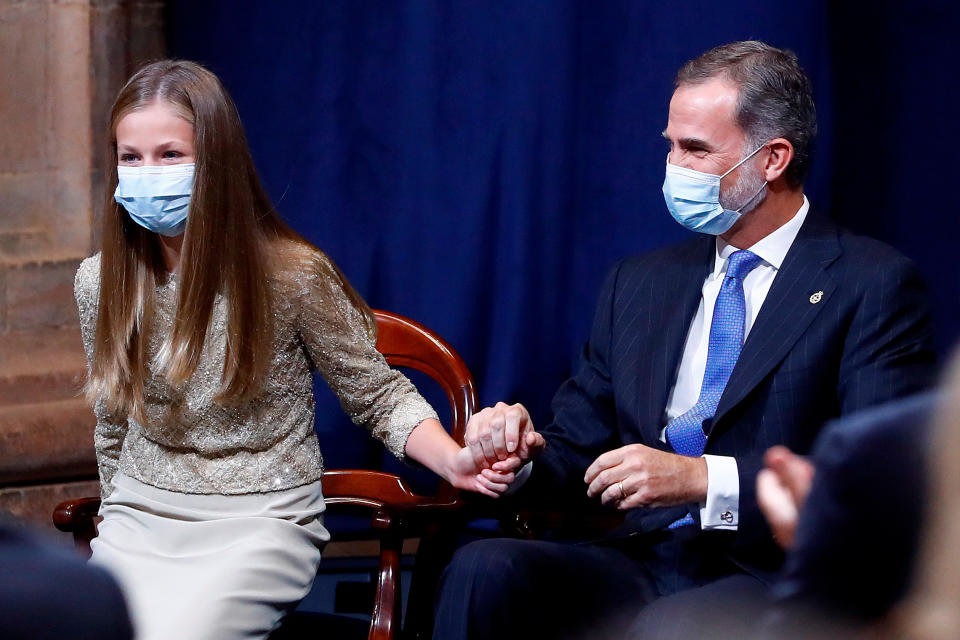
(157, 198)
(693, 198)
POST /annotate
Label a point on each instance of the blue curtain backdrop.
(478, 166)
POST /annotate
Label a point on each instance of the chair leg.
(85, 532)
(387, 606)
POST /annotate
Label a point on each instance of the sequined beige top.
(191, 444)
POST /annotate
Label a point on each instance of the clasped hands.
(502, 438)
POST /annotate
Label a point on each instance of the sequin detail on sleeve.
(336, 338)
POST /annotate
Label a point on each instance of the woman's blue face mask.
(156, 197)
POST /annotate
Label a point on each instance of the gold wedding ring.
(623, 495)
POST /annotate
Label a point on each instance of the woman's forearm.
(431, 445)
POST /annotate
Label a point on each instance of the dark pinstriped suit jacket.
(864, 341)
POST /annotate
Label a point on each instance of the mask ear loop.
(750, 155)
(762, 187)
(752, 198)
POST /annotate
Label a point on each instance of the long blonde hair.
(229, 248)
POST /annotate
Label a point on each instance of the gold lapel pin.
(817, 297)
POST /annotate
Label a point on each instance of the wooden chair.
(397, 511)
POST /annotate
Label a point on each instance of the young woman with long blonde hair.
(203, 318)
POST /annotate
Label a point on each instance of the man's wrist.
(698, 480)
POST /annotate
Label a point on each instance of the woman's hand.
(466, 473)
(430, 445)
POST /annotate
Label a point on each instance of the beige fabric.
(210, 566)
(190, 444)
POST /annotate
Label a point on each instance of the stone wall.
(63, 62)
(45, 146)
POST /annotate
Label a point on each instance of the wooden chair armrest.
(388, 495)
(371, 489)
(77, 517)
(74, 514)
(368, 488)
(394, 503)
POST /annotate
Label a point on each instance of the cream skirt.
(210, 566)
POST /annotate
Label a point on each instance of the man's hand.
(497, 433)
(432, 446)
(638, 476)
(782, 489)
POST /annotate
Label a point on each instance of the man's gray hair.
(775, 99)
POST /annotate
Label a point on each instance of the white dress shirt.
(721, 509)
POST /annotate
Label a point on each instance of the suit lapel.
(678, 294)
(801, 289)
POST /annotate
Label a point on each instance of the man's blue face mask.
(157, 198)
(693, 198)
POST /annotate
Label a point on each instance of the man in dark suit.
(48, 593)
(852, 551)
(701, 357)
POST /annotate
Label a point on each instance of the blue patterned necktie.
(685, 432)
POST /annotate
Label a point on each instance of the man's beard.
(747, 192)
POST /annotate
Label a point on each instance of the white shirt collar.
(772, 249)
